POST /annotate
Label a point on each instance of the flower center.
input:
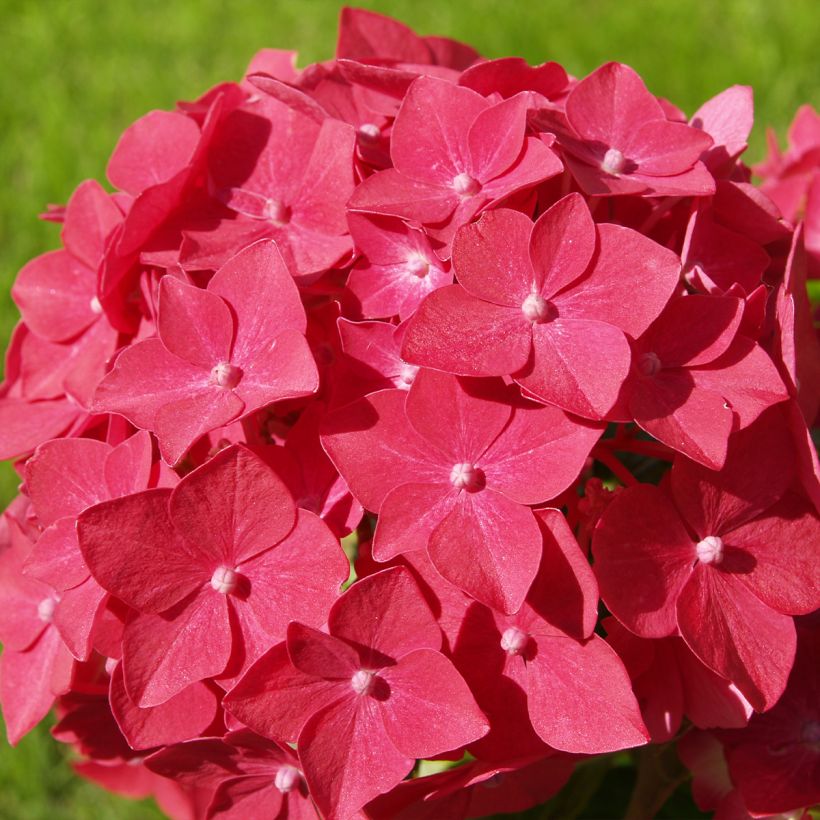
(45, 609)
(226, 375)
(407, 375)
(648, 364)
(287, 778)
(95, 305)
(368, 133)
(514, 640)
(465, 185)
(277, 212)
(418, 266)
(613, 162)
(466, 476)
(537, 309)
(225, 580)
(710, 550)
(362, 681)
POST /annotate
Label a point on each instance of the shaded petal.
(643, 558)
(490, 547)
(324, 656)
(496, 137)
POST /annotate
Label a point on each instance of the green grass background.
(75, 73)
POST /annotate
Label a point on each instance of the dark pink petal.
(347, 757)
(322, 656)
(695, 330)
(54, 293)
(566, 592)
(283, 369)
(491, 260)
(184, 716)
(758, 470)
(643, 558)
(194, 324)
(625, 259)
(56, 557)
(27, 683)
(20, 598)
(390, 192)
(736, 635)
(364, 34)
(776, 556)
(152, 150)
(128, 465)
(693, 421)
(134, 552)
(375, 449)
(261, 292)
(580, 699)
(66, 476)
(146, 378)
(407, 517)
(566, 368)
(164, 654)
(474, 549)
(562, 244)
(275, 699)
(429, 709)
(430, 134)
(181, 422)
(459, 333)
(454, 415)
(609, 104)
(516, 462)
(662, 148)
(76, 615)
(385, 612)
(25, 424)
(91, 215)
(745, 377)
(232, 507)
(535, 164)
(257, 797)
(284, 588)
(496, 137)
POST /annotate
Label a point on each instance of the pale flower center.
(95, 305)
(649, 364)
(226, 375)
(536, 309)
(287, 779)
(369, 133)
(225, 580)
(710, 550)
(613, 162)
(466, 476)
(362, 681)
(45, 609)
(418, 266)
(465, 185)
(407, 375)
(514, 640)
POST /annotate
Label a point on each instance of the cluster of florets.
(410, 406)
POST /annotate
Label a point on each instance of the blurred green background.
(75, 73)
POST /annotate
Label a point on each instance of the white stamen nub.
(226, 375)
(277, 212)
(514, 640)
(95, 305)
(649, 364)
(369, 133)
(710, 550)
(286, 779)
(407, 376)
(613, 162)
(225, 580)
(418, 266)
(536, 308)
(45, 609)
(362, 681)
(465, 185)
(466, 476)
